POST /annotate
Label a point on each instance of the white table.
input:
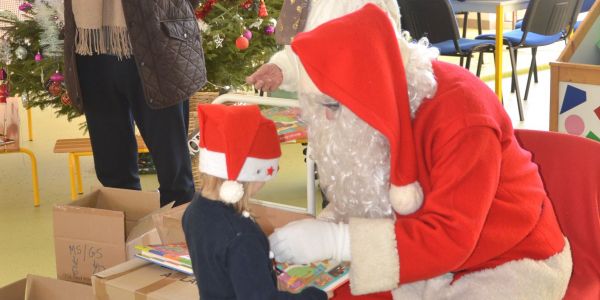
(498, 7)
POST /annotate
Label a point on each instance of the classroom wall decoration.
(575, 82)
(579, 114)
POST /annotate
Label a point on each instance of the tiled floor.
(26, 232)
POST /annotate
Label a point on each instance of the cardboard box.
(90, 233)
(271, 215)
(137, 279)
(169, 225)
(145, 232)
(42, 288)
(268, 216)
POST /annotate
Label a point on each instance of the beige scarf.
(101, 28)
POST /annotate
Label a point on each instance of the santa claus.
(431, 195)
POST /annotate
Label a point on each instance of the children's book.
(287, 121)
(326, 275)
(173, 256)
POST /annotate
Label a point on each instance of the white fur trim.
(254, 169)
(406, 199)
(231, 191)
(520, 279)
(327, 214)
(375, 261)
(404, 50)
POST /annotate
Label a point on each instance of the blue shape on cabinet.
(573, 97)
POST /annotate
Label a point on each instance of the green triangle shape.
(592, 136)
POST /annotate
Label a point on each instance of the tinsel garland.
(48, 16)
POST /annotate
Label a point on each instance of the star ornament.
(218, 41)
(270, 171)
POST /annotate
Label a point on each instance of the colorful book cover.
(326, 275)
(287, 121)
(167, 264)
(174, 253)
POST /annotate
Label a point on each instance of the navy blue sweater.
(230, 255)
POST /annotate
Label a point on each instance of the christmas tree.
(237, 38)
(31, 56)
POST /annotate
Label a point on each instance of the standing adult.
(135, 61)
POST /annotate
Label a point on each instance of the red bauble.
(55, 89)
(247, 4)
(242, 43)
(65, 99)
(4, 89)
(3, 92)
(262, 9)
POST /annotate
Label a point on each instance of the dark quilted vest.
(167, 48)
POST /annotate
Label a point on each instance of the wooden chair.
(82, 147)
(9, 126)
(34, 171)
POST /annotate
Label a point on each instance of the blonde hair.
(211, 185)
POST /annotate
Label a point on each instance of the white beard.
(352, 160)
(352, 157)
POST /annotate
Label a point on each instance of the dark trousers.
(113, 100)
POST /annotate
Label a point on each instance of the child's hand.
(329, 295)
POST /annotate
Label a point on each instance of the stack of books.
(173, 256)
(326, 275)
(290, 128)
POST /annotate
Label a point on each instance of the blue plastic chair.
(587, 5)
(435, 20)
(545, 22)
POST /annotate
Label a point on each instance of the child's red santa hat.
(356, 60)
(237, 143)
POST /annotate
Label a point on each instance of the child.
(239, 151)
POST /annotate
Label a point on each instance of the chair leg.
(465, 21)
(468, 63)
(462, 61)
(513, 62)
(34, 176)
(529, 75)
(535, 68)
(72, 176)
(78, 174)
(479, 63)
(512, 83)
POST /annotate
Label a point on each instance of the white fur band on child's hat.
(237, 144)
(371, 82)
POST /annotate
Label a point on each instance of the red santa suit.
(486, 229)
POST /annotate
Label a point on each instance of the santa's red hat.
(237, 144)
(356, 60)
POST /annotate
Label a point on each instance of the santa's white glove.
(311, 240)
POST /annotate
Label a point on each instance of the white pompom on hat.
(238, 144)
(365, 73)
